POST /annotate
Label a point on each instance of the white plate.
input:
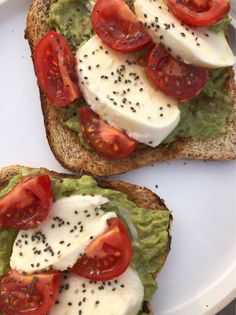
(200, 274)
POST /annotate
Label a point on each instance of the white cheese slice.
(117, 89)
(197, 46)
(59, 241)
(77, 295)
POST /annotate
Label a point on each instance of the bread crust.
(141, 196)
(65, 144)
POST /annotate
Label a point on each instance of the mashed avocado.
(148, 228)
(221, 25)
(204, 117)
(71, 19)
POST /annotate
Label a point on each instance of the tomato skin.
(55, 67)
(199, 12)
(27, 204)
(105, 139)
(108, 256)
(118, 27)
(30, 294)
(174, 77)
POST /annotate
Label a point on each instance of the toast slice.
(142, 197)
(65, 143)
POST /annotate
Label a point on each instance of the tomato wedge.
(28, 295)
(199, 12)
(109, 141)
(118, 27)
(55, 67)
(173, 77)
(27, 204)
(108, 256)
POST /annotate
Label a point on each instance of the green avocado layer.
(204, 117)
(148, 228)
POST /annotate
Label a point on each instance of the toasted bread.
(142, 197)
(66, 146)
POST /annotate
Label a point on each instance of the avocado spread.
(148, 228)
(204, 117)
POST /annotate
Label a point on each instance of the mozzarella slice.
(59, 241)
(117, 89)
(196, 46)
(123, 296)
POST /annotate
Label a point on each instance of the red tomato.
(118, 27)
(173, 77)
(199, 12)
(108, 256)
(104, 138)
(28, 295)
(27, 204)
(55, 68)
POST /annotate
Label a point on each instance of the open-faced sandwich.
(127, 84)
(77, 246)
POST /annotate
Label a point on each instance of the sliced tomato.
(55, 67)
(118, 27)
(104, 138)
(108, 256)
(199, 12)
(27, 204)
(28, 295)
(174, 77)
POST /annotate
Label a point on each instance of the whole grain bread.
(142, 197)
(65, 143)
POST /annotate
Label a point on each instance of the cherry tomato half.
(118, 27)
(199, 12)
(27, 204)
(55, 67)
(104, 138)
(28, 295)
(108, 256)
(173, 77)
